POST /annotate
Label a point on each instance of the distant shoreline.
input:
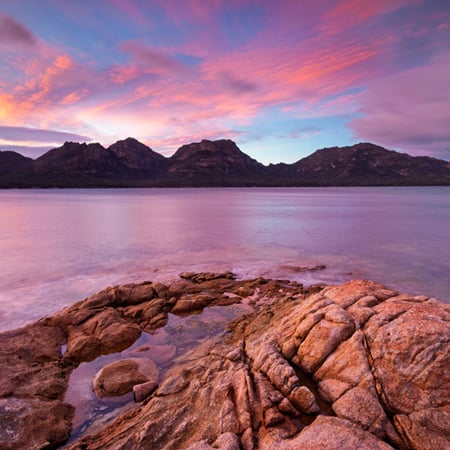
(221, 163)
(44, 188)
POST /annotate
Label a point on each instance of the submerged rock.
(300, 269)
(207, 276)
(121, 377)
(349, 366)
(143, 390)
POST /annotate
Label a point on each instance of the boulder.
(186, 305)
(327, 433)
(120, 377)
(103, 333)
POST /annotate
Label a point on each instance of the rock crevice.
(355, 364)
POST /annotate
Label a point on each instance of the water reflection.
(166, 346)
(58, 246)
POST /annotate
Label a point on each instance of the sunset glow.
(280, 78)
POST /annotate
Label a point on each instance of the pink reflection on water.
(59, 246)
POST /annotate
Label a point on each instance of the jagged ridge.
(215, 163)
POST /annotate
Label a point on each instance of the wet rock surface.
(33, 379)
(350, 366)
(120, 377)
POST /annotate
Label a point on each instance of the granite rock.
(356, 365)
(120, 377)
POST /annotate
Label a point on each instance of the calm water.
(59, 246)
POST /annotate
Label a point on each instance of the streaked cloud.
(33, 142)
(38, 135)
(345, 15)
(168, 70)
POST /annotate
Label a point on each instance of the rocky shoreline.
(329, 367)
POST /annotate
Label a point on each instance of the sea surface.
(60, 246)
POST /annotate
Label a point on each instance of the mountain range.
(129, 163)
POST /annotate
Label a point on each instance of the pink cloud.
(73, 97)
(235, 84)
(47, 91)
(47, 87)
(350, 13)
(409, 110)
(278, 75)
(123, 74)
(234, 87)
(303, 57)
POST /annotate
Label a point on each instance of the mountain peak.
(131, 139)
(211, 161)
(368, 164)
(137, 156)
(80, 159)
(208, 149)
(70, 146)
(216, 163)
(13, 162)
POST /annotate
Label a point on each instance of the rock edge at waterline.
(350, 366)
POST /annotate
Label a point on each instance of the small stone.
(245, 291)
(303, 399)
(143, 390)
(193, 303)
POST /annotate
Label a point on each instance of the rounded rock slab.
(119, 377)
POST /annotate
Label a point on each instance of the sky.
(282, 78)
